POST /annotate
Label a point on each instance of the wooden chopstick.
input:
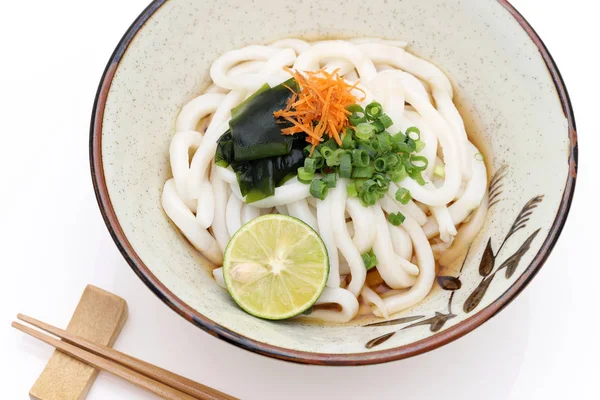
(154, 376)
(168, 378)
(130, 375)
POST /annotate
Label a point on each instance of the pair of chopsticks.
(150, 377)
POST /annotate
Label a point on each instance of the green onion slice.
(396, 219)
(362, 172)
(330, 180)
(364, 131)
(360, 158)
(403, 195)
(419, 163)
(351, 189)
(318, 189)
(346, 165)
(374, 110)
(386, 121)
(414, 133)
(380, 164)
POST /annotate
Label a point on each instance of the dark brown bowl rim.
(366, 358)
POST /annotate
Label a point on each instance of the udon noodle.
(205, 202)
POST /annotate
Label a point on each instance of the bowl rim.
(349, 359)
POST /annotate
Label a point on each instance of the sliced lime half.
(275, 267)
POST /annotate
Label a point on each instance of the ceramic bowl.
(507, 86)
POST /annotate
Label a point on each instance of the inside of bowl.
(503, 88)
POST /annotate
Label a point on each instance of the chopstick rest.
(99, 317)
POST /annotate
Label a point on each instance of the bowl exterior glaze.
(513, 100)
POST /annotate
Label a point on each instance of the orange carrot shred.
(319, 108)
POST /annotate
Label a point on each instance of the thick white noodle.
(340, 296)
(397, 272)
(182, 144)
(390, 94)
(344, 267)
(184, 219)
(439, 83)
(249, 212)
(197, 109)
(219, 227)
(219, 70)
(198, 183)
(466, 234)
(343, 67)
(373, 298)
(471, 197)
(388, 74)
(426, 278)
(428, 194)
(362, 221)
(344, 242)
(233, 215)
(226, 174)
(326, 232)
(300, 210)
(310, 59)
(390, 205)
(443, 219)
(212, 88)
(218, 275)
(248, 67)
(292, 191)
(401, 241)
(428, 137)
(282, 209)
(299, 46)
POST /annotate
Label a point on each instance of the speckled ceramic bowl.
(512, 98)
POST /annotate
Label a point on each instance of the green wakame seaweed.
(259, 178)
(256, 132)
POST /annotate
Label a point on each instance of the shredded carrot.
(320, 107)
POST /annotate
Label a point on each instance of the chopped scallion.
(358, 115)
(396, 219)
(419, 145)
(386, 121)
(380, 164)
(362, 172)
(403, 195)
(414, 133)
(419, 163)
(330, 180)
(440, 171)
(305, 176)
(379, 127)
(346, 165)
(370, 260)
(310, 165)
(348, 141)
(318, 189)
(374, 110)
(399, 174)
(360, 158)
(364, 131)
(326, 151)
(351, 189)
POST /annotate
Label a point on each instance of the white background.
(53, 241)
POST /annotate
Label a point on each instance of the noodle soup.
(359, 139)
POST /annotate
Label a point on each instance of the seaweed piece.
(255, 130)
(259, 178)
(224, 154)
